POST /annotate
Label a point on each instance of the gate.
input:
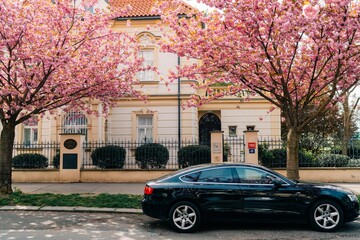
(234, 149)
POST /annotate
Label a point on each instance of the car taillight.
(148, 190)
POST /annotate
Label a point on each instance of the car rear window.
(219, 175)
(192, 177)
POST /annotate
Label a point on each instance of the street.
(72, 225)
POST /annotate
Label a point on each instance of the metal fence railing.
(272, 153)
(320, 153)
(47, 149)
(234, 149)
(139, 159)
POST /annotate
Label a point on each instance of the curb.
(71, 209)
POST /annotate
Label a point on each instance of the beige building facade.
(162, 117)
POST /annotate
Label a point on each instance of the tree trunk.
(346, 126)
(6, 148)
(292, 154)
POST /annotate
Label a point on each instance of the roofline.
(143, 17)
(137, 18)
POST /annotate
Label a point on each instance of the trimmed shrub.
(272, 158)
(109, 157)
(193, 155)
(307, 159)
(152, 156)
(30, 161)
(277, 157)
(333, 160)
(56, 160)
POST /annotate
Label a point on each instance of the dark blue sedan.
(245, 192)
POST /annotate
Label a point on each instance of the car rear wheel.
(184, 217)
(326, 216)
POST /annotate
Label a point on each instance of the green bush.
(152, 156)
(307, 159)
(333, 160)
(193, 155)
(352, 152)
(109, 157)
(272, 158)
(56, 160)
(277, 157)
(29, 161)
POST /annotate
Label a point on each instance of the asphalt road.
(97, 226)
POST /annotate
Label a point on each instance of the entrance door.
(207, 123)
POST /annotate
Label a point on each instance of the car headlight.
(353, 197)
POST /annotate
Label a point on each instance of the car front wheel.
(184, 217)
(326, 216)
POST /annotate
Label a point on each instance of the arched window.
(207, 123)
(148, 54)
(75, 122)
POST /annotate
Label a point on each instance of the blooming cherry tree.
(54, 54)
(302, 56)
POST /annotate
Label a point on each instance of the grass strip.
(72, 200)
(103, 200)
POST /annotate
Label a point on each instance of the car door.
(267, 196)
(217, 192)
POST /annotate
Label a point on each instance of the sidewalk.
(68, 188)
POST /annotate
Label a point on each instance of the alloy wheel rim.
(326, 216)
(184, 217)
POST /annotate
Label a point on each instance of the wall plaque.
(70, 144)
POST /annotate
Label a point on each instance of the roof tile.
(140, 8)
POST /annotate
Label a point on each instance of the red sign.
(251, 145)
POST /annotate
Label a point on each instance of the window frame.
(142, 76)
(145, 127)
(33, 134)
(75, 128)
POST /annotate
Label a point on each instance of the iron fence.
(321, 153)
(133, 160)
(272, 153)
(50, 150)
(234, 149)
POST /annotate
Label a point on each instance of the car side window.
(219, 175)
(192, 177)
(254, 176)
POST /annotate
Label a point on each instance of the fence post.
(251, 145)
(71, 156)
(216, 146)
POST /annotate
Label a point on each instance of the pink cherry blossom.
(310, 11)
(59, 55)
(295, 54)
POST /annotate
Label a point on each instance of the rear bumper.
(157, 210)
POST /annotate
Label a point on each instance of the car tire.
(326, 216)
(184, 217)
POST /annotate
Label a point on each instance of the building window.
(148, 56)
(232, 131)
(145, 128)
(31, 131)
(75, 122)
